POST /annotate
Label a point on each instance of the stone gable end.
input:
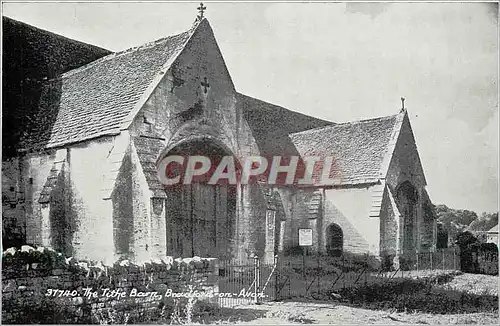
(196, 99)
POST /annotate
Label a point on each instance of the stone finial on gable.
(403, 109)
(201, 10)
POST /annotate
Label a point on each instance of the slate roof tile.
(358, 148)
(271, 125)
(93, 100)
(50, 183)
(148, 150)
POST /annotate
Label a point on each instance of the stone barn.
(81, 146)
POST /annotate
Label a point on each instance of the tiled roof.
(358, 148)
(271, 125)
(94, 100)
(148, 150)
(30, 56)
(51, 183)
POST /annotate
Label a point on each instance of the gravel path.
(296, 313)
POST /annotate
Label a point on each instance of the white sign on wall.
(305, 237)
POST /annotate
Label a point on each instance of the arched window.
(334, 240)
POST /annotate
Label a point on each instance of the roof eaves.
(361, 182)
(83, 139)
(61, 144)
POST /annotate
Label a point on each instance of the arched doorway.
(200, 216)
(407, 197)
(334, 240)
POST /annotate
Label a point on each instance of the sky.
(341, 62)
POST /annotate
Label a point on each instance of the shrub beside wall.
(42, 286)
(482, 258)
(475, 256)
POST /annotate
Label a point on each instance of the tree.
(465, 240)
(485, 222)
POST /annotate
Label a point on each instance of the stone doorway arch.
(200, 217)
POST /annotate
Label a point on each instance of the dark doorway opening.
(200, 217)
(334, 240)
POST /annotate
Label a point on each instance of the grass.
(474, 283)
(428, 295)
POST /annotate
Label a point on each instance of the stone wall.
(13, 204)
(389, 226)
(88, 166)
(56, 199)
(31, 278)
(180, 109)
(349, 208)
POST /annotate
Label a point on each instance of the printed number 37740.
(61, 293)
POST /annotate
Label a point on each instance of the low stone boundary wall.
(42, 279)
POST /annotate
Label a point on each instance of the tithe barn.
(83, 130)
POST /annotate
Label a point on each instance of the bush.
(186, 311)
(348, 262)
(47, 311)
(418, 295)
(477, 257)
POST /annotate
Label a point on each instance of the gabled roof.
(95, 100)
(358, 148)
(148, 150)
(271, 125)
(30, 56)
(493, 229)
(51, 182)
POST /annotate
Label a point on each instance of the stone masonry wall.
(350, 208)
(389, 226)
(37, 170)
(37, 278)
(41, 203)
(181, 109)
(88, 167)
(405, 166)
(13, 204)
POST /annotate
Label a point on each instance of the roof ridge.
(385, 117)
(123, 52)
(287, 109)
(51, 33)
(354, 122)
